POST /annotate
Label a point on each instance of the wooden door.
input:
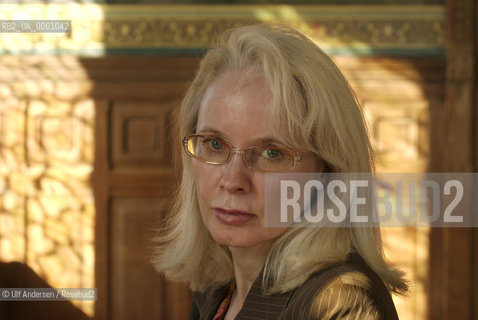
(133, 182)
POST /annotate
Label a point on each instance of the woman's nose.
(235, 175)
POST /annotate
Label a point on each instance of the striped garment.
(348, 290)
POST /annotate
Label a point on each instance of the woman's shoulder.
(347, 296)
(346, 290)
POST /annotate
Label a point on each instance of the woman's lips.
(234, 217)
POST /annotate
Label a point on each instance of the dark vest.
(295, 304)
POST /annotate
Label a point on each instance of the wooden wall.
(457, 282)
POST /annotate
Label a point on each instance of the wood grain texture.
(133, 182)
(100, 186)
(460, 110)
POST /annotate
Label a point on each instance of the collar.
(257, 304)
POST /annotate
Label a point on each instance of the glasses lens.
(207, 149)
(269, 159)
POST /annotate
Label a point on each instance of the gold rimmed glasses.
(215, 151)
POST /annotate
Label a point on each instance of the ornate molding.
(156, 29)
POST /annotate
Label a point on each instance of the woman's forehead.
(237, 103)
(234, 81)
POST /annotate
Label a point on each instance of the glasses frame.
(234, 150)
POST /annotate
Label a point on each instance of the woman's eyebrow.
(211, 130)
(268, 140)
(258, 141)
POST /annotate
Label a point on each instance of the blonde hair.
(316, 111)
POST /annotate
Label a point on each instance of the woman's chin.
(233, 240)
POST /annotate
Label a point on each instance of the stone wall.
(46, 158)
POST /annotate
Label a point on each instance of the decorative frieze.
(164, 29)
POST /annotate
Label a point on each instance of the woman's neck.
(248, 263)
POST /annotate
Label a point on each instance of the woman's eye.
(216, 145)
(273, 153)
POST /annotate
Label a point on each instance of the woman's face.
(231, 196)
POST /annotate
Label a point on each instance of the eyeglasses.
(215, 151)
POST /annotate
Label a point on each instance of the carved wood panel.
(139, 135)
(133, 183)
(136, 171)
(137, 290)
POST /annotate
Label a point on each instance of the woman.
(267, 99)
